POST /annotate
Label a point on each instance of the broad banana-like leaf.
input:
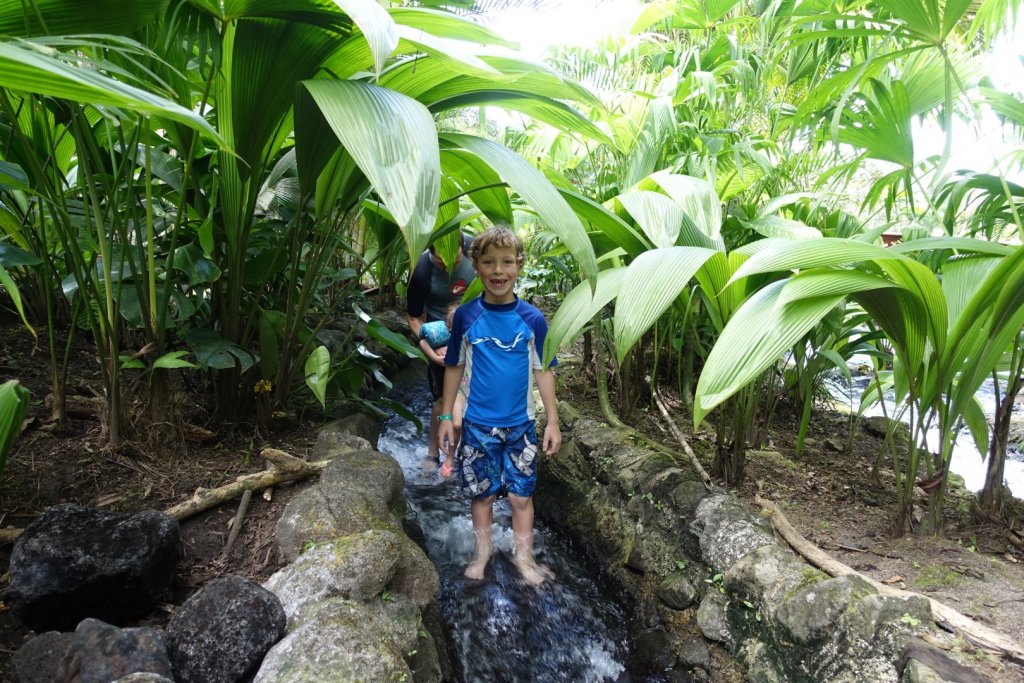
(393, 141)
(652, 283)
(961, 279)
(13, 408)
(830, 282)
(697, 198)
(537, 191)
(377, 27)
(758, 335)
(620, 233)
(657, 215)
(457, 55)
(777, 226)
(470, 172)
(318, 373)
(777, 255)
(27, 70)
(448, 25)
(968, 244)
(977, 424)
(578, 308)
(65, 17)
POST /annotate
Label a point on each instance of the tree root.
(682, 439)
(979, 635)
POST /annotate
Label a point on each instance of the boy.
(434, 337)
(499, 340)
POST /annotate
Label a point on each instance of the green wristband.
(444, 417)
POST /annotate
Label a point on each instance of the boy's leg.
(483, 520)
(522, 532)
(436, 382)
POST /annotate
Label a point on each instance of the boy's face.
(498, 270)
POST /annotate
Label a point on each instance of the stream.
(966, 461)
(502, 629)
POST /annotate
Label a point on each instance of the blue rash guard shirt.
(500, 345)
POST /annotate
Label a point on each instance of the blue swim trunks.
(496, 458)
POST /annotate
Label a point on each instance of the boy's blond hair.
(500, 236)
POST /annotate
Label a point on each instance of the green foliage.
(13, 407)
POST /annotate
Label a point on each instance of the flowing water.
(504, 630)
(967, 460)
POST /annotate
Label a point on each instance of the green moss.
(938, 576)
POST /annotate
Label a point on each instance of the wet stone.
(100, 653)
(677, 592)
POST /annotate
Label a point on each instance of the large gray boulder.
(222, 632)
(74, 562)
(728, 530)
(338, 641)
(321, 514)
(373, 472)
(100, 653)
(356, 567)
(357, 424)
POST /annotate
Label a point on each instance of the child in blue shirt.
(498, 341)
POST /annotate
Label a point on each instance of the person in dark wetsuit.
(432, 289)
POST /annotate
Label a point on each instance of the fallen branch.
(236, 522)
(681, 438)
(977, 634)
(9, 535)
(286, 468)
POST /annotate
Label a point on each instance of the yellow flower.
(262, 386)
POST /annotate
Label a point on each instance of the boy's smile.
(498, 269)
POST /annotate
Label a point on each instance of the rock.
(356, 424)
(765, 576)
(711, 618)
(760, 661)
(143, 677)
(373, 472)
(650, 654)
(923, 663)
(100, 653)
(812, 612)
(416, 576)
(222, 632)
(877, 425)
(728, 530)
(330, 445)
(317, 515)
(687, 496)
(677, 592)
(37, 660)
(356, 567)
(694, 652)
(343, 641)
(435, 626)
(74, 562)
(886, 622)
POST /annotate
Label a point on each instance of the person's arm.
(445, 430)
(552, 432)
(432, 354)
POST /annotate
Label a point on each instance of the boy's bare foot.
(533, 573)
(475, 569)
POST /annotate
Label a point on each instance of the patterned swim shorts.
(496, 458)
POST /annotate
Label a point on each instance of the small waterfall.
(503, 629)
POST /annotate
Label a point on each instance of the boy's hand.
(552, 438)
(446, 439)
(439, 353)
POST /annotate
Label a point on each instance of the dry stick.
(681, 437)
(948, 618)
(286, 468)
(236, 523)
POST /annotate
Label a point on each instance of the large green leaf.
(657, 215)
(538, 192)
(470, 172)
(318, 373)
(578, 308)
(697, 198)
(393, 141)
(24, 69)
(777, 226)
(652, 283)
(447, 25)
(13, 408)
(61, 17)
(377, 26)
(779, 255)
(758, 335)
(611, 226)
